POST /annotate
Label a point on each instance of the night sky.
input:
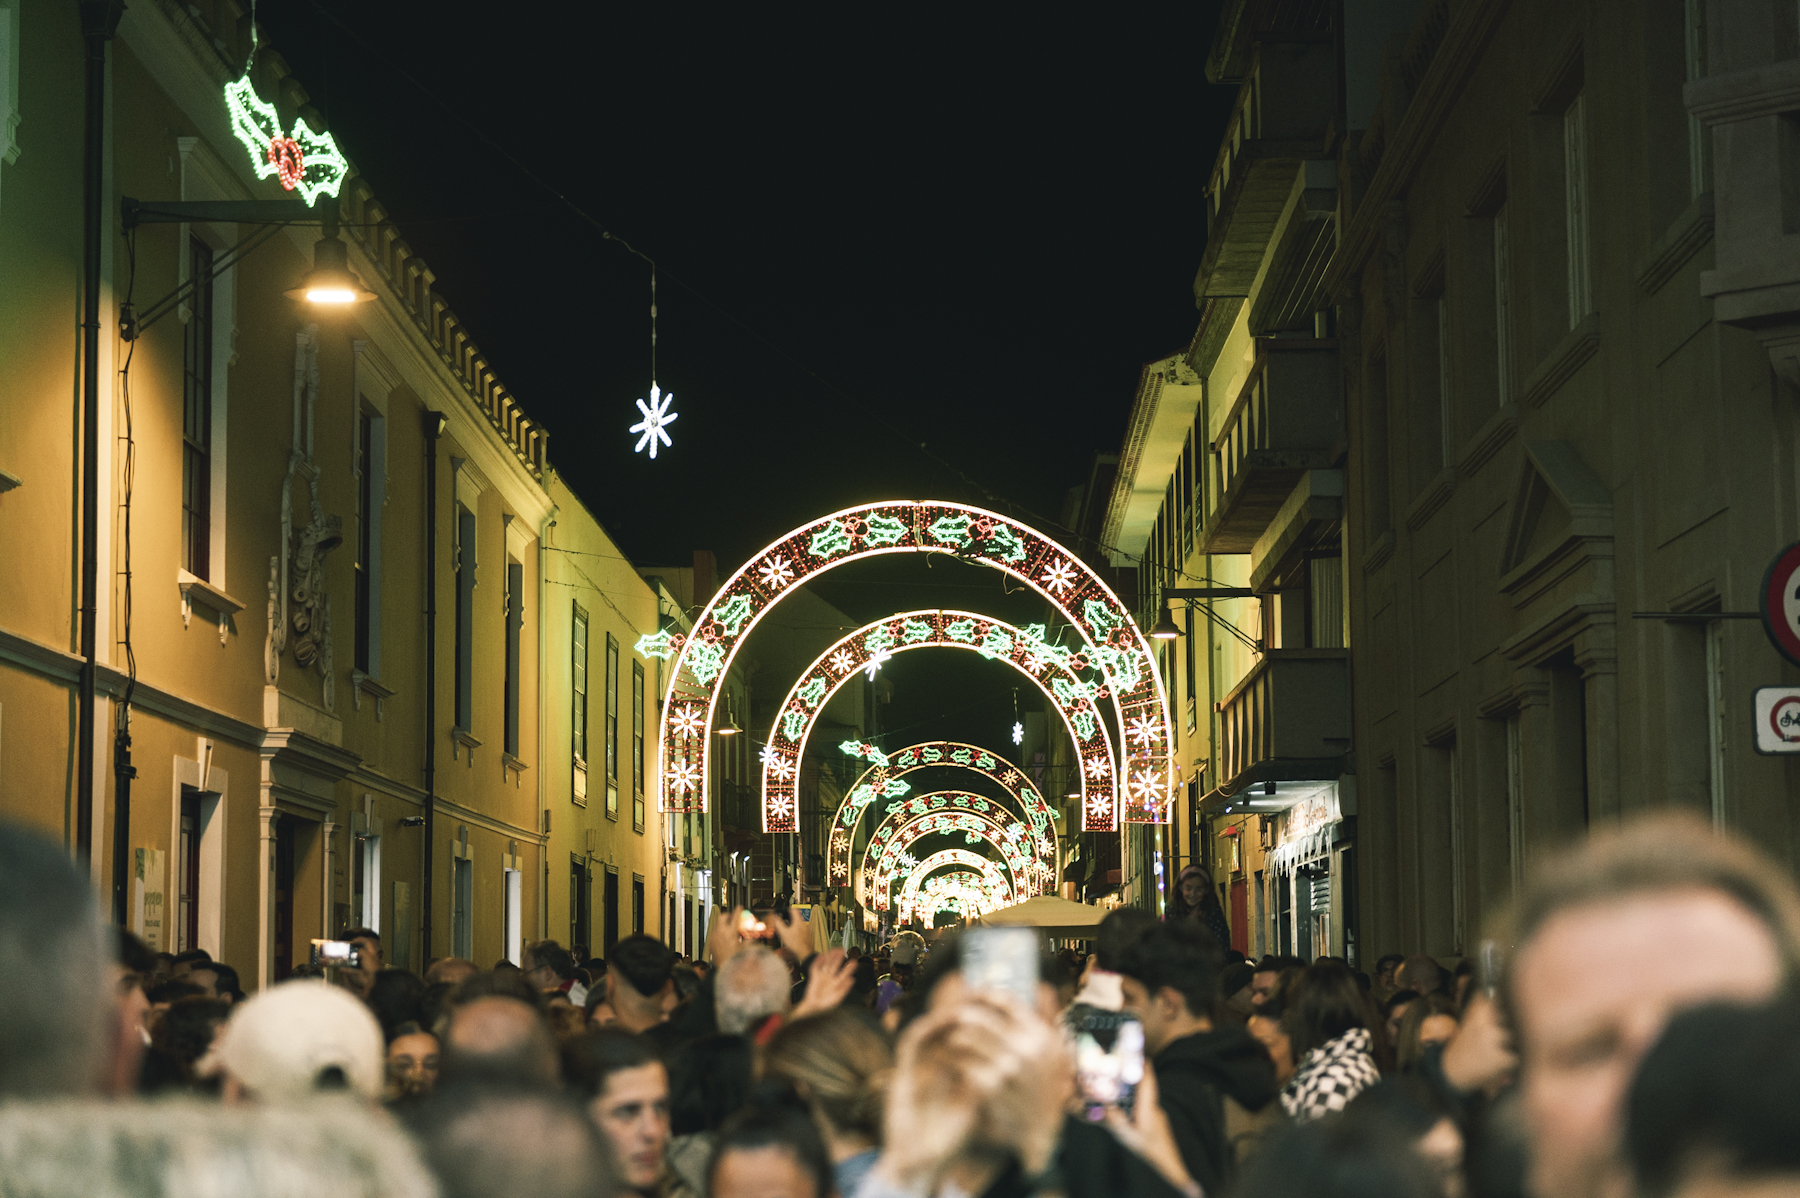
(966, 226)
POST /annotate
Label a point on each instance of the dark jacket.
(1095, 1164)
(1194, 1075)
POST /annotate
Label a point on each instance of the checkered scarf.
(1330, 1076)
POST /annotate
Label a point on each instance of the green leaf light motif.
(304, 161)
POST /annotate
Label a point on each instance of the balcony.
(1288, 719)
(1286, 420)
(1283, 110)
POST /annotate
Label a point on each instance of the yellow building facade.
(336, 571)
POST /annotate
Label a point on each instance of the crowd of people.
(1631, 1032)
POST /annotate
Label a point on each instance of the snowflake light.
(781, 806)
(687, 720)
(1018, 733)
(841, 661)
(684, 777)
(656, 421)
(1059, 577)
(876, 661)
(1146, 787)
(776, 574)
(779, 767)
(1144, 730)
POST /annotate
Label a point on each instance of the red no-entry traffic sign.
(1780, 603)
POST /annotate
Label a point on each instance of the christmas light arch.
(969, 894)
(888, 858)
(1032, 863)
(1112, 640)
(882, 780)
(1054, 669)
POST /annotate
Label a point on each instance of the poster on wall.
(147, 915)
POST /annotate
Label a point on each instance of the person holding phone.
(1204, 1067)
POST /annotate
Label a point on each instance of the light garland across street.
(1110, 638)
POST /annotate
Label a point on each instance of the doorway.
(285, 836)
(609, 915)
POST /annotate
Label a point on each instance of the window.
(611, 727)
(1325, 602)
(196, 421)
(187, 873)
(1575, 207)
(1446, 433)
(637, 905)
(465, 617)
(1515, 804)
(637, 745)
(1699, 140)
(609, 917)
(511, 879)
(364, 543)
(462, 929)
(1502, 269)
(581, 903)
(365, 882)
(578, 673)
(515, 622)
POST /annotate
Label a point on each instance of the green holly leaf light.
(304, 161)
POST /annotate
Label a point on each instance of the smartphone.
(1109, 1062)
(1002, 960)
(335, 952)
(1489, 961)
(750, 927)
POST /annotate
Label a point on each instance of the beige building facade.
(337, 598)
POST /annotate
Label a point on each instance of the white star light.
(1018, 733)
(687, 720)
(1144, 730)
(777, 574)
(874, 664)
(1097, 767)
(779, 767)
(684, 777)
(1059, 577)
(657, 418)
(841, 661)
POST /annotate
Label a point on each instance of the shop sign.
(1312, 814)
(1777, 714)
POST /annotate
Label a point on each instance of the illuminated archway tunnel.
(1113, 642)
(1033, 868)
(882, 780)
(888, 856)
(974, 888)
(1053, 669)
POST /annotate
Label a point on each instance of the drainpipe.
(99, 21)
(542, 722)
(434, 428)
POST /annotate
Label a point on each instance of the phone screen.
(1003, 960)
(1109, 1062)
(335, 952)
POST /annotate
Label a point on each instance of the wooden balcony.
(1285, 421)
(1288, 719)
(1283, 110)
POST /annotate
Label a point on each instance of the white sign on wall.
(1777, 717)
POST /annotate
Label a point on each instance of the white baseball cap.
(279, 1042)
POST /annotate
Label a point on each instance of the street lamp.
(1165, 629)
(331, 281)
(730, 726)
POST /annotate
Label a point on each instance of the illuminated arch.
(993, 881)
(882, 780)
(1053, 669)
(887, 857)
(973, 534)
(1032, 861)
(968, 894)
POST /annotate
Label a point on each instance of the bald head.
(449, 969)
(500, 1039)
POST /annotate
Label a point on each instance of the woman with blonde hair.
(839, 1064)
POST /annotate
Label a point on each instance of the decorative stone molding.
(194, 590)
(1680, 242)
(364, 684)
(298, 604)
(1581, 343)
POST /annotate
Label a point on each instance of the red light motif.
(284, 154)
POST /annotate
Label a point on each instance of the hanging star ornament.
(656, 422)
